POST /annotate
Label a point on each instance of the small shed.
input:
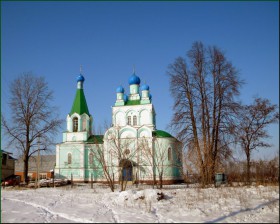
(220, 178)
(8, 164)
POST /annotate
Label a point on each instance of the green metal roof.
(80, 103)
(96, 139)
(132, 102)
(162, 134)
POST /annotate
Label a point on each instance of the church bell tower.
(79, 120)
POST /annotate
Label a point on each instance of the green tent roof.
(96, 139)
(80, 103)
(162, 134)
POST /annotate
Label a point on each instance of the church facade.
(131, 149)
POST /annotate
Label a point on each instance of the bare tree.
(122, 153)
(147, 157)
(204, 105)
(32, 117)
(101, 128)
(116, 158)
(101, 160)
(251, 127)
(159, 158)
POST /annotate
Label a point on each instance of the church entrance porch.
(126, 168)
(126, 171)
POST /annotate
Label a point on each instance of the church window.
(169, 154)
(84, 124)
(69, 158)
(90, 159)
(75, 124)
(129, 120)
(134, 120)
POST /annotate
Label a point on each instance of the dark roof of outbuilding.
(7, 153)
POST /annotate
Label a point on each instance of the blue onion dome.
(125, 98)
(150, 96)
(144, 87)
(120, 89)
(80, 78)
(134, 80)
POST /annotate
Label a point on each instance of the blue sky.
(53, 39)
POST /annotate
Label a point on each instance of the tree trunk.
(248, 173)
(25, 168)
(154, 179)
(160, 180)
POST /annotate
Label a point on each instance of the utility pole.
(38, 162)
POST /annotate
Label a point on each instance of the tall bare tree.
(159, 158)
(251, 129)
(122, 153)
(32, 117)
(149, 157)
(115, 158)
(204, 92)
(100, 160)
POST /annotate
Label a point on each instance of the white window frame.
(43, 176)
(129, 120)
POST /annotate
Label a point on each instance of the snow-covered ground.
(81, 204)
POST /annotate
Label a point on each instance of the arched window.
(75, 124)
(84, 124)
(69, 158)
(129, 120)
(169, 154)
(134, 120)
(90, 158)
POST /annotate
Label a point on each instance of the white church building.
(132, 148)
